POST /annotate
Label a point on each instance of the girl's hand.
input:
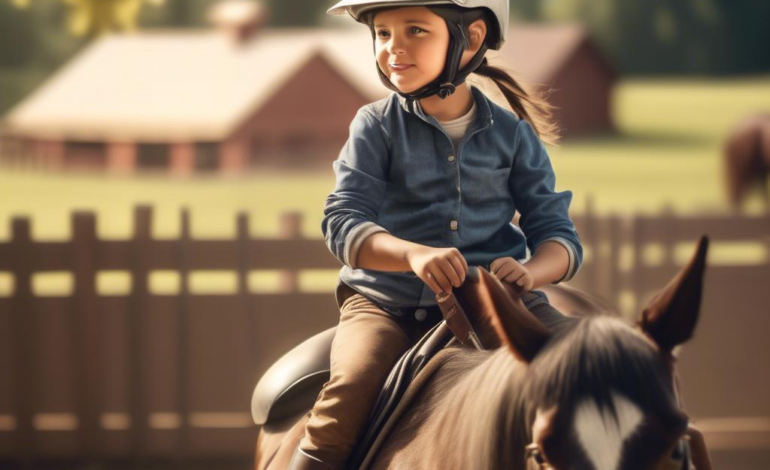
(509, 270)
(439, 268)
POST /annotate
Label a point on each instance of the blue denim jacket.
(399, 172)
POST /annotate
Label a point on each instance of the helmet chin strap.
(446, 83)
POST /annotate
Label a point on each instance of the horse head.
(602, 394)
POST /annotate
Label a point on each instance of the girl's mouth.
(400, 67)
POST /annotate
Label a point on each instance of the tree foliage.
(95, 17)
(674, 36)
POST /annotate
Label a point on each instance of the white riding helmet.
(457, 14)
(498, 8)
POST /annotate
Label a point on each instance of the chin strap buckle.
(445, 90)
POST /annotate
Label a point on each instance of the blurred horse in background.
(746, 159)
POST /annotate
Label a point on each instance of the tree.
(94, 17)
(674, 36)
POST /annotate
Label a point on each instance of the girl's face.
(410, 46)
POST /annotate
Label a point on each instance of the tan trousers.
(367, 344)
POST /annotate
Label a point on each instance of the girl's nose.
(396, 46)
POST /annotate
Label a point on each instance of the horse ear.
(671, 315)
(513, 323)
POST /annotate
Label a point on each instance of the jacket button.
(451, 158)
(453, 225)
(420, 314)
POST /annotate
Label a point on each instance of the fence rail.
(89, 375)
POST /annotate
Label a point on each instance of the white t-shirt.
(457, 127)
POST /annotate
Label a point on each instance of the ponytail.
(532, 106)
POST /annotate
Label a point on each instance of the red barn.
(242, 97)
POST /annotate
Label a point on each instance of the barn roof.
(537, 52)
(200, 85)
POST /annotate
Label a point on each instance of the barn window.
(85, 154)
(299, 149)
(153, 156)
(260, 148)
(206, 156)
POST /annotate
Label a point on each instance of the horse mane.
(476, 418)
(594, 358)
(481, 405)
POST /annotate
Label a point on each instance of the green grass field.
(667, 152)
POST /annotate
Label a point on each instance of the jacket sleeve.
(544, 212)
(350, 212)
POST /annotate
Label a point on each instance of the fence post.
(245, 298)
(25, 339)
(669, 237)
(140, 299)
(290, 229)
(592, 239)
(87, 332)
(183, 332)
(613, 275)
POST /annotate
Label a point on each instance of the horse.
(746, 158)
(597, 393)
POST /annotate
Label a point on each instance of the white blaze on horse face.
(601, 435)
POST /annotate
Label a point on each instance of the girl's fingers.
(465, 265)
(514, 277)
(493, 266)
(526, 283)
(432, 283)
(506, 270)
(449, 271)
(459, 268)
(443, 283)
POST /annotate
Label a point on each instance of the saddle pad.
(403, 373)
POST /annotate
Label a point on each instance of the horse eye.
(533, 452)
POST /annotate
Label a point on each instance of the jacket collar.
(483, 108)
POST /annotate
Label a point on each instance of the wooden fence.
(147, 374)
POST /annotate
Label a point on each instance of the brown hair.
(531, 106)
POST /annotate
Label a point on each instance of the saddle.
(292, 383)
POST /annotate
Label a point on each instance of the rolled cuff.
(355, 240)
(572, 268)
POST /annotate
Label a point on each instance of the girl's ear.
(477, 32)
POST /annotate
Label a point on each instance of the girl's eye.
(414, 30)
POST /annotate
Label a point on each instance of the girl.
(428, 183)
